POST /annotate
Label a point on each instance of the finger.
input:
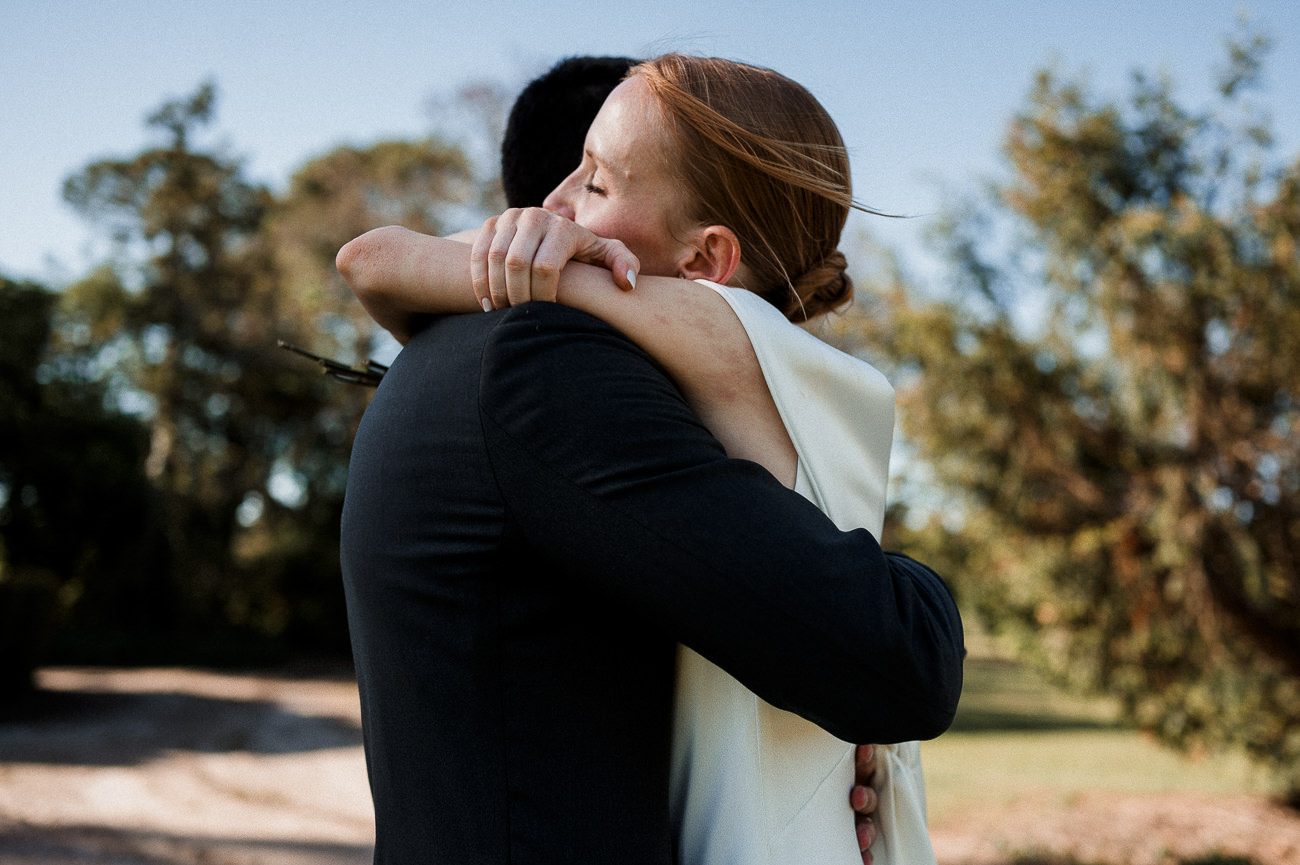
(556, 248)
(614, 255)
(532, 229)
(478, 263)
(866, 830)
(863, 799)
(546, 242)
(864, 763)
(498, 251)
(608, 253)
(624, 266)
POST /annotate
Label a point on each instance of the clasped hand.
(863, 798)
(518, 256)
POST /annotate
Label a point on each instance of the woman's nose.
(559, 200)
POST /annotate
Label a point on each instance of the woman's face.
(623, 189)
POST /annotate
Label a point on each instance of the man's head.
(547, 125)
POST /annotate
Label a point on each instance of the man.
(534, 519)
(548, 122)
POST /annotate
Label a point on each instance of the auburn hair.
(758, 154)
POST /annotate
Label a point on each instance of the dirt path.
(181, 767)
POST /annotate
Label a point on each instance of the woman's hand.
(863, 798)
(517, 256)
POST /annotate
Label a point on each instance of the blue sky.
(922, 90)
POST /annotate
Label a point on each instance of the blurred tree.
(76, 534)
(183, 333)
(248, 445)
(1111, 399)
(425, 186)
(444, 183)
(422, 185)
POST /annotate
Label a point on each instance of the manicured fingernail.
(487, 304)
(631, 277)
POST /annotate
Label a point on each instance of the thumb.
(620, 261)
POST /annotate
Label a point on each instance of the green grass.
(1016, 735)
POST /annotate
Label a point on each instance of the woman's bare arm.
(399, 275)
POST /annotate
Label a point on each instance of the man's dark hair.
(548, 124)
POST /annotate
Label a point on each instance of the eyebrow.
(601, 162)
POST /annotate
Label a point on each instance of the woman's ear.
(715, 255)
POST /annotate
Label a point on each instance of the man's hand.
(863, 798)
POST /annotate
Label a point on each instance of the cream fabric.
(752, 784)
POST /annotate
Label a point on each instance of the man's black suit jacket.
(534, 518)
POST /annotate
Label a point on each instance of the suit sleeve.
(610, 476)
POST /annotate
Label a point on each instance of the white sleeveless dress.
(753, 784)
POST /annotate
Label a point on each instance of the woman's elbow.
(358, 259)
(350, 262)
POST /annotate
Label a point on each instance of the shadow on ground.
(77, 845)
(95, 728)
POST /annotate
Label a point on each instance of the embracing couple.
(611, 562)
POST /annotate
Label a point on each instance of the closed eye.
(593, 189)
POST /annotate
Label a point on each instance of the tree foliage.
(191, 338)
(170, 481)
(246, 444)
(425, 186)
(74, 503)
(1110, 397)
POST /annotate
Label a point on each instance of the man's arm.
(611, 476)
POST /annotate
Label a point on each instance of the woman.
(708, 170)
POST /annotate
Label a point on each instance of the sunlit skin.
(623, 188)
(622, 208)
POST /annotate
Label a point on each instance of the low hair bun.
(824, 287)
(757, 153)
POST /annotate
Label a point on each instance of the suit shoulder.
(551, 333)
(544, 361)
(539, 315)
